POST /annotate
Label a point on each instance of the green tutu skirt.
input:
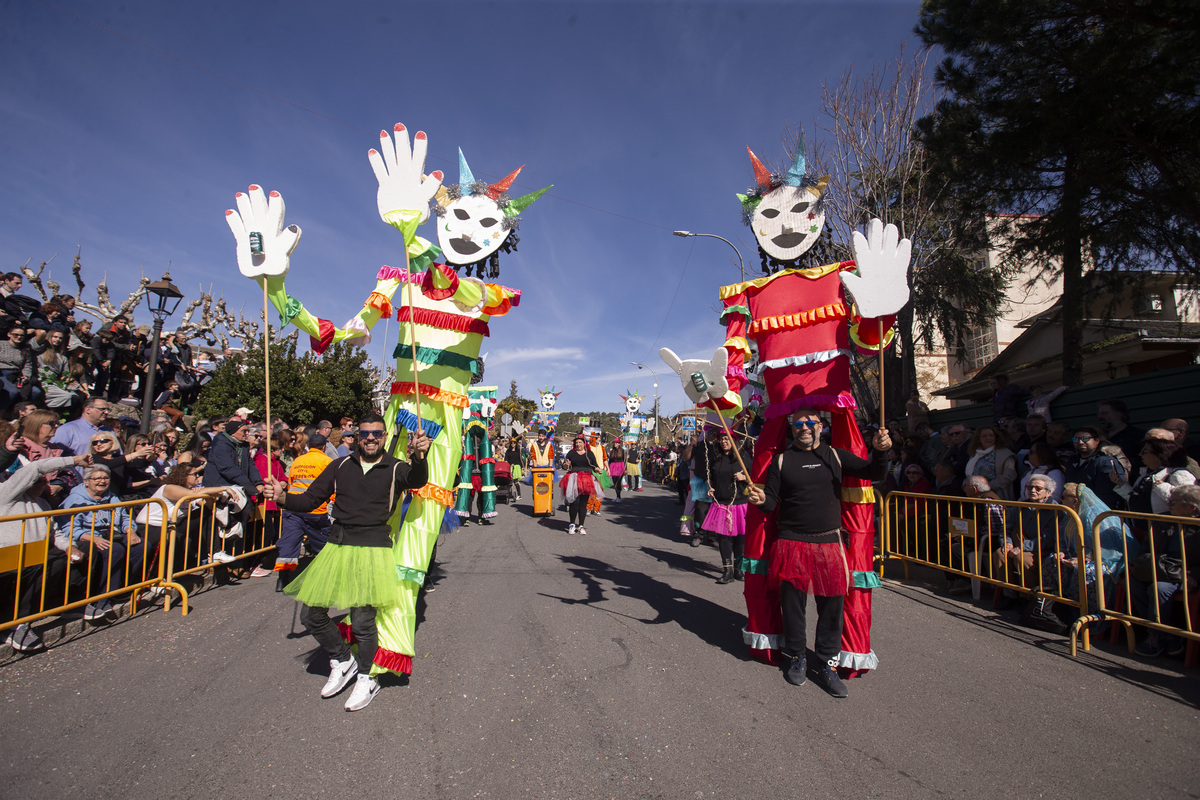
(346, 576)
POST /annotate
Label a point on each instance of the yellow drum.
(543, 491)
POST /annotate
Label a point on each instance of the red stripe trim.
(443, 320)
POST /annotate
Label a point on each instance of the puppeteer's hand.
(418, 444)
(402, 184)
(757, 495)
(274, 244)
(880, 286)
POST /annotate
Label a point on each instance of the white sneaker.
(221, 557)
(24, 639)
(581, 531)
(571, 529)
(364, 692)
(340, 673)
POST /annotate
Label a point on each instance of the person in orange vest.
(295, 526)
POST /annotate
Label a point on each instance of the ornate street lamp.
(163, 298)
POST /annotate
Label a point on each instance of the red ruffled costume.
(801, 320)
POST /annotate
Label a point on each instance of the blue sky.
(127, 128)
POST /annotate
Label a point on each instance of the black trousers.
(828, 643)
(362, 624)
(578, 509)
(732, 549)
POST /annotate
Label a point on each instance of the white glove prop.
(880, 286)
(264, 246)
(402, 184)
(703, 381)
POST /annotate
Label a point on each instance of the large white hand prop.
(711, 375)
(402, 184)
(262, 219)
(881, 285)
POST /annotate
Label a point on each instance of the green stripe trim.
(409, 574)
(867, 580)
(753, 566)
(444, 358)
(738, 309)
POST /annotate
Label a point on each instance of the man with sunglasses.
(805, 483)
(369, 484)
(1100, 472)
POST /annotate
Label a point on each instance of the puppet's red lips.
(788, 240)
(465, 246)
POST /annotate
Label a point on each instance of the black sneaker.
(796, 672)
(827, 678)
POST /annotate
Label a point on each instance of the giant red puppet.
(809, 324)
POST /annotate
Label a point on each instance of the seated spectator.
(1032, 536)
(1035, 428)
(1095, 469)
(106, 537)
(63, 392)
(1044, 461)
(1018, 439)
(18, 369)
(991, 458)
(167, 401)
(987, 522)
(1151, 591)
(1165, 468)
(37, 429)
(1117, 547)
(1178, 435)
(21, 495)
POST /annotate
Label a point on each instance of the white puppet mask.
(786, 222)
(471, 229)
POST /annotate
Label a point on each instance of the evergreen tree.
(1080, 118)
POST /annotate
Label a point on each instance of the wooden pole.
(736, 451)
(882, 422)
(267, 377)
(412, 336)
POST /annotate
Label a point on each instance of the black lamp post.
(163, 298)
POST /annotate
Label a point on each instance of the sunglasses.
(806, 423)
(370, 434)
(1082, 438)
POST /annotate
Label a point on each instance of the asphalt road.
(600, 666)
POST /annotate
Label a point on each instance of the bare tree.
(879, 169)
(214, 323)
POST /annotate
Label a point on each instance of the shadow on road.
(1180, 687)
(713, 624)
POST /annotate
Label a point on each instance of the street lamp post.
(159, 295)
(741, 264)
(655, 374)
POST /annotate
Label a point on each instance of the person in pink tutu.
(727, 515)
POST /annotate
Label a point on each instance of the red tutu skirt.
(726, 520)
(583, 482)
(817, 569)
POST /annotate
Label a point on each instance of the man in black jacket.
(369, 484)
(805, 484)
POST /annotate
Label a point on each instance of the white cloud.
(535, 354)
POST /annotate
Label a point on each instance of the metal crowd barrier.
(38, 560)
(1110, 608)
(960, 536)
(196, 537)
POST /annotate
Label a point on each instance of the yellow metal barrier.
(937, 531)
(1127, 618)
(38, 560)
(196, 537)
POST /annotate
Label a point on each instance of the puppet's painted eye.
(770, 213)
(487, 222)
(458, 212)
(799, 208)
